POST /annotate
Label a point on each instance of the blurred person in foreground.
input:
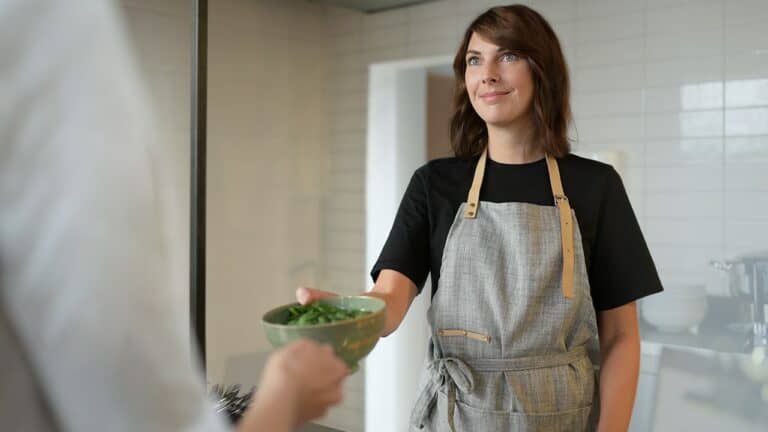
(91, 336)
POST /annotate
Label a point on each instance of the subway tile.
(747, 65)
(386, 54)
(346, 260)
(555, 10)
(695, 259)
(611, 128)
(684, 178)
(345, 24)
(631, 152)
(462, 23)
(684, 232)
(749, 176)
(627, 26)
(391, 18)
(347, 64)
(476, 7)
(386, 37)
(445, 47)
(353, 141)
(740, 37)
(338, 280)
(684, 43)
(345, 241)
(565, 31)
(745, 93)
(347, 44)
(633, 177)
(344, 221)
(747, 149)
(566, 34)
(346, 201)
(667, 4)
(745, 11)
(348, 82)
(746, 233)
(693, 16)
(693, 124)
(613, 53)
(348, 102)
(587, 9)
(746, 121)
(607, 78)
(692, 70)
(441, 28)
(683, 204)
(433, 9)
(685, 97)
(606, 103)
(351, 161)
(347, 181)
(684, 151)
(348, 122)
(746, 205)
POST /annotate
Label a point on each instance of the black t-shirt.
(618, 262)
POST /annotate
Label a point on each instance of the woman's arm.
(620, 350)
(396, 289)
(398, 292)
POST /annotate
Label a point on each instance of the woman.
(516, 280)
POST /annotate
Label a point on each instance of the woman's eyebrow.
(478, 52)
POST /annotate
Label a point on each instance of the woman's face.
(499, 84)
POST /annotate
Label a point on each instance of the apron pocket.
(470, 419)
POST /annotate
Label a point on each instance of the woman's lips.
(493, 96)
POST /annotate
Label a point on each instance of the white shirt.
(91, 338)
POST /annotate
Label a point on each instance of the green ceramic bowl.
(351, 339)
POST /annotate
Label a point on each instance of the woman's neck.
(512, 145)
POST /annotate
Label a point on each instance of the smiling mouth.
(493, 96)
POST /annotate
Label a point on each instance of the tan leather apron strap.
(473, 201)
(566, 225)
(561, 202)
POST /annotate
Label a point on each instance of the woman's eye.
(473, 60)
(509, 57)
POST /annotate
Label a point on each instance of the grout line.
(723, 147)
(644, 97)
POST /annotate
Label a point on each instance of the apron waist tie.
(452, 373)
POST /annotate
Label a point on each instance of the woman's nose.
(489, 75)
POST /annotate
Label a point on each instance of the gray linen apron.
(514, 335)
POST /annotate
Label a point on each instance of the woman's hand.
(306, 295)
(393, 287)
(299, 383)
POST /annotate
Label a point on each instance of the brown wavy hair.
(528, 35)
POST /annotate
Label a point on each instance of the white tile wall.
(680, 86)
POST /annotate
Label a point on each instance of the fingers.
(306, 295)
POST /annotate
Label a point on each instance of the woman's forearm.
(398, 292)
(618, 382)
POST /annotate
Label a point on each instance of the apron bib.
(513, 330)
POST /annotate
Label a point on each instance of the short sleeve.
(407, 247)
(622, 269)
